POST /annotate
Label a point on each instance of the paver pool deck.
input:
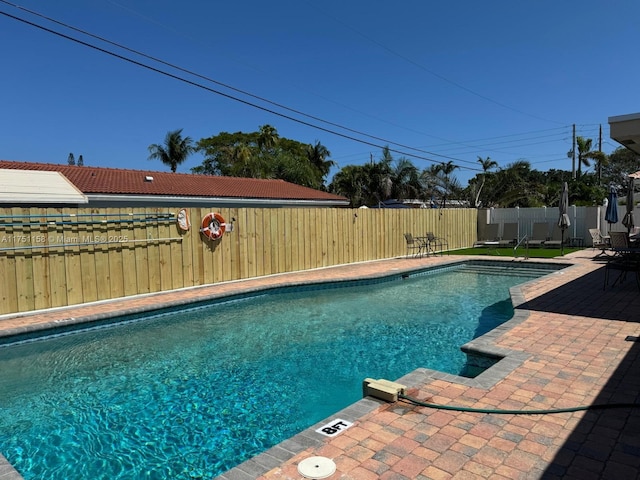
(570, 343)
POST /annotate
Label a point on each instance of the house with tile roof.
(27, 183)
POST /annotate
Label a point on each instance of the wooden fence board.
(263, 237)
(176, 247)
(153, 248)
(141, 252)
(88, 237)
(56, 256)
(199, 249)
(103, 234)
(24, 266)
(114, 254)
(8, 280)
(186, 251)
(252, 245)
(271, 231)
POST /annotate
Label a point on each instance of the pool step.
(512, 271)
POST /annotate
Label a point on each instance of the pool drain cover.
(316, 467)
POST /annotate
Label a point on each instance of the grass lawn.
(508, 252)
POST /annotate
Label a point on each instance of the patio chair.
(509, 235)
(556, 238)
(619, 242)
(539, 234)
(623, 265)
(434, 242)
(490, 236)
(598, 241)
(417, 245)
(625, 259)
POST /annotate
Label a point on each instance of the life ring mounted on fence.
(213, 226)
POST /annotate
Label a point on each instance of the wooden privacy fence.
(52, 257)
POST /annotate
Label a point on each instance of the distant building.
(27, 183)
(415, 203)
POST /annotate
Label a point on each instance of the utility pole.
(600, 139)
(573, 154)
(600, 159)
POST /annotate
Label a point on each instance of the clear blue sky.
(454, 80)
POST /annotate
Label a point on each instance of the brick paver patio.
(571, 343)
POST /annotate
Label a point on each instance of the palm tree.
(446, 169)
(514, 186)
(349, 181)
(487, 164)
(317, 155)
(602, 160)
(585, 154)
(378, 178)
(268, 137)
(431, 179)
(174, 151)
(404, 180)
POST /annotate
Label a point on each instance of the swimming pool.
(190, 394)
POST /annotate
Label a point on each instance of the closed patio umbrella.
(563, 219)
(627, 221)
(611, 215)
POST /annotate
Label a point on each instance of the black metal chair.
(415, 244)
(625, 259)
(438, 243)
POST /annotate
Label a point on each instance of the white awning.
(36, 187)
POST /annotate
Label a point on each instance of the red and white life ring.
(213, 226)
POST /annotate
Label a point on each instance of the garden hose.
(597, 406)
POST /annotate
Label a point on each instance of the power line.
(460, 147)
(302, 88)
(157, 70)
(474, 144)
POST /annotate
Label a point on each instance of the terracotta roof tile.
(100, 180)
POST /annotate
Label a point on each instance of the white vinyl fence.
(582, 219)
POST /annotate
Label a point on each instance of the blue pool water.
(193, 393)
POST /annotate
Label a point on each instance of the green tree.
(377, 176)
(621, 163)
(261, 154)
(174, 151)
(431, 181)
(514, 185)
(405, 180)
(440, 181)
(377, 181)
(227, 154)
(349, 182)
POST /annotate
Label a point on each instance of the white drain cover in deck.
(316, 467)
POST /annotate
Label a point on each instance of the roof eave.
(625, 129)
(219, 201)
